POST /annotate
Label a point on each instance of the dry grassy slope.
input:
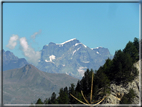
(27, 84)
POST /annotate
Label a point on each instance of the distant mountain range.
(71, 57)
(25, 85)
(10, 61)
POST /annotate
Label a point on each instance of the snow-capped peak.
(66, 41)
(69, 41)
(85, 46)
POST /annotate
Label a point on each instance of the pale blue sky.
(110, 25)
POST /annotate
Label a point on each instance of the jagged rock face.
(120, 89)
(71, 57)
(10, 61)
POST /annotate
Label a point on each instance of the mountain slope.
(26, 84)
(71, 57)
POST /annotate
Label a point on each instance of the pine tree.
(132, 51)
(72, 91)
(63, 97)
(49, 101)
(102, 82)
(78, 86)
(136, 43)
(39, 101)
(46, 101)
(53, 98)
(86, 81)
(107, 67)
(122, 68)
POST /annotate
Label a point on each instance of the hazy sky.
(33, 25)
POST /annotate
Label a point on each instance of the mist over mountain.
(71, 57)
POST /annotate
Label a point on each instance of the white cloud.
(24, 43)
(35, 34)
(32, 56)
(12, 42)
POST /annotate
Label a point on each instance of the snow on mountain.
(75, 51)
(74, 42)
(67, 73)
(68, 41)
(77, 44)
(61, 44)
(71, 57)
(85, 46)
(98, 47)
(46, 60)
(81, 44)
(52, 57)
(97, 52)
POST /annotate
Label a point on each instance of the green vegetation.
(39, 101)
(128, 98)
(119, 70)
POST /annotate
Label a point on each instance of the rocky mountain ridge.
(10, 61)
(71, 57)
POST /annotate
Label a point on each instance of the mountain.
(10, 61)
(71, 57)
(104, 52)
(26, 84)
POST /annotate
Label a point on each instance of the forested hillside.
(119, 70)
